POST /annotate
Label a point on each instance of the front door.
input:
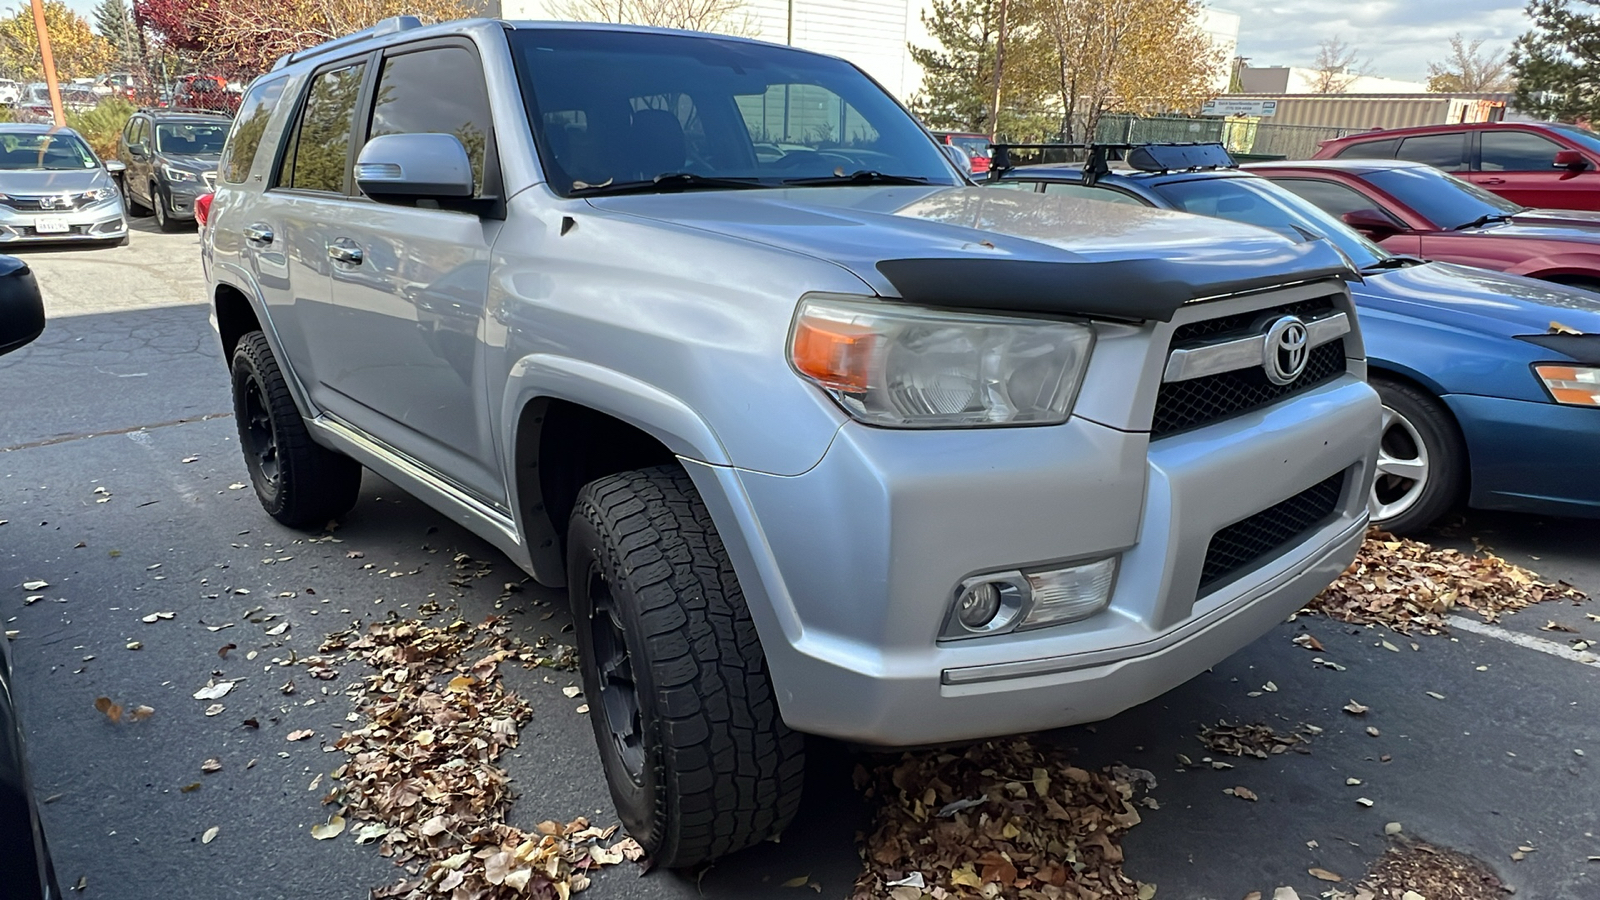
(1520, 166)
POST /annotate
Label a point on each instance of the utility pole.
(999, 69)
(49, 61)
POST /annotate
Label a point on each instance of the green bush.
(101, 125)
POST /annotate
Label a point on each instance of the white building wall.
(1223, 29)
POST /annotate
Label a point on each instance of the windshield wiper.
(862, 176)
(1394, 262)
(665, 183)
(1484, 219)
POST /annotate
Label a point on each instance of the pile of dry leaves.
(1259, 740)
(422, 769)
(1419, 870)
(1405, 584)
(1003, 819)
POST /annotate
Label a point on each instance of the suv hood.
(198, 164)
(984, 248)
(1479, 300)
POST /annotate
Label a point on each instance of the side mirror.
(115, 166)
(407, 167)
(138, 149)
(1371, 223)
(1571, 160)
(21, 305)
(959, 157)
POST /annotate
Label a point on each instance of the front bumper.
(103, 221)
(1531, 457)
(850, 568)
(181, 198)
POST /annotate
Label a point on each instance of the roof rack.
(180, 111)
(391, 25)
(1153, 156)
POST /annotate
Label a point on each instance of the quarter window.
(319, 154)
(436, 91)
(1516, 151)
(239, 154)
(1442, 151)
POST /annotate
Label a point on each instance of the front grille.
(58, 203)
(1243, 544)
(1182, 405)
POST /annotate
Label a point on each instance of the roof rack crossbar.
(1148, 156)
(391, 25)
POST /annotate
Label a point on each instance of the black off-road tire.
(699, 761)
(299, 482)
(1432, 435)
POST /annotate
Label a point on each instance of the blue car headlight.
(1571, 385)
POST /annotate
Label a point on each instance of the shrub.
(101, 125)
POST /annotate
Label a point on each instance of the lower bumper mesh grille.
(1242, 544)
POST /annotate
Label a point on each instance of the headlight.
(98, 194)
(1571, 385)
(179, 174)
(909, 367)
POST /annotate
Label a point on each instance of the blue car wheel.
(1421, 460)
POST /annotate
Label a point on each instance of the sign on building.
(1225, 106)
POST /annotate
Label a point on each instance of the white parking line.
(1523, 640)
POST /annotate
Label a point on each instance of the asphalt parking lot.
(121, 487)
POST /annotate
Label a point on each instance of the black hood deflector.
(1126, 289)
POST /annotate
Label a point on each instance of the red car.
(975, 145)
(1538, 164)
(207, 92)
(1418, 210)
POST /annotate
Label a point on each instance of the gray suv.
(170, 160)
(818, 436)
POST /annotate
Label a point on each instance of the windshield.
(44, 151)
(1256, 201)
(1445, 200)
(191, 140)
(614, 108)
(1580, 135)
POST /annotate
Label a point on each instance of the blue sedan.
(1490, 382)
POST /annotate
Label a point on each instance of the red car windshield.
(1580, 136)
(1446, 201)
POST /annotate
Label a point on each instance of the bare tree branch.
(1336, 67)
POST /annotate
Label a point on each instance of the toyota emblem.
(1286, 350)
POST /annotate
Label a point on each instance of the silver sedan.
(54, 189)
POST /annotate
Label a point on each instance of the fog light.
(1068, 594)
(978, 605)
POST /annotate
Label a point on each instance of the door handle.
(345, 253)
(258, 234)
(1493, 181)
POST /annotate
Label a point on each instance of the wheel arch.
(235, 317)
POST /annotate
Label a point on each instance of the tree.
(78, 51)
(961, 75)
(1336, 67)
(1468, 69)
(1137, 56)
(114, 21)
(719, 16)
(1557, 62)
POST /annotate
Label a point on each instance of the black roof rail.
(179, 111)
(1150, 156)
(391, 25)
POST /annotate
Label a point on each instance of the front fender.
(1576, 264)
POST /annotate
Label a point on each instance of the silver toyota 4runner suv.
(819, 436)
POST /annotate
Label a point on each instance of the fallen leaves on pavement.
(1002, 819)
(422, 769)
(1404, 584)
(1258, 739)
(1410, 870)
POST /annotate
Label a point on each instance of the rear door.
(1520, 165)
(410, 282)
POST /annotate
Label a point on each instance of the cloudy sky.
(1399, 36)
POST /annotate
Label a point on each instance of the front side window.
(319, 152)
(185, 139)
(436, 91)
(1442, 151)
(1516, 151)
(1258, 202)
(55, 152)
(614, 108)
(239, 154)
(1333, 198)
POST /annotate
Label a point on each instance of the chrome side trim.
(1187, 363)
(373, 450)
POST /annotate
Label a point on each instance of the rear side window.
(436, 91)
(240, 152)
(1516, 151)
(319, 149)
(1369, 150)
(1442, 151)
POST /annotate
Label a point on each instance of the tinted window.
(625, 107)
(1442, 151)
(1256, 201)
(319, 152)
(130, 130)
(438, 91)
(190, 139)
(1516, 151)
(1444, 200)
(1369, 150)
(1329, 196)
(1082, 191)
(1582, 136)
(240, 152)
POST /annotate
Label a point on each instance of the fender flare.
(541, 377)
(238, 279)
